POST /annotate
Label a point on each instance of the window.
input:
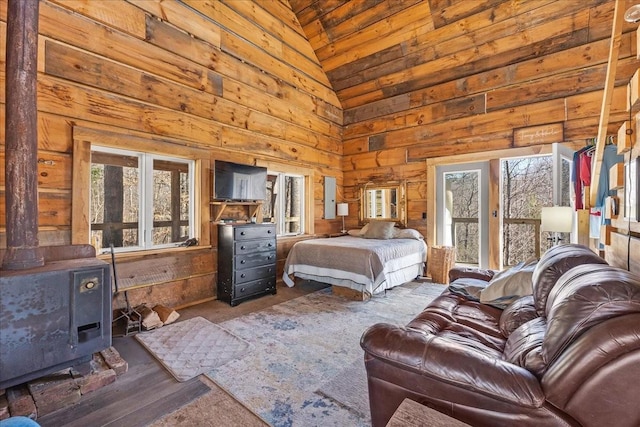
(140, 200)
(285, 202)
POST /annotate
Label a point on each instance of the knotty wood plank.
(62, 97)
(280, 101)
(129, 19)
(296, 40)
(429, 70)
(54, 133)
(268, 53)
(541, 67)
(388, 32)
(282, 11)
(181, 16)
(350, 17)
(384, 158)
(119, 46)
(307, 10)
(239, 140)
(443, 133)
(445, 12)
(587, 79)
(54, 208)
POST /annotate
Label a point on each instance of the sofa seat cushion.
(460, 320)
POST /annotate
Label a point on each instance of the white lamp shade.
(558, 219)
(343, 209)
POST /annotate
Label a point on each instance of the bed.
(366, 265)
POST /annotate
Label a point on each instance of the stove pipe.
(21, 131)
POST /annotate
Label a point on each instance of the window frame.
(279, 207)
(83, 140)
(307, 217)
(146, 170)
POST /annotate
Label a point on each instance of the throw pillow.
(356, 232)
(379, 230)
(407, 233)
(508, 285)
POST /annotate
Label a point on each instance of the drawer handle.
(268, 231)
(269, 244)
(242, 233)
(243, 247)
(243, 261)
(269, 257)
(241, 289)
(242, 275)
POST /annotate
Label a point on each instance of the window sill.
(151, 252)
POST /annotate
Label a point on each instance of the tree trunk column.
(21, 130)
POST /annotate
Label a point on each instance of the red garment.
(585, 167)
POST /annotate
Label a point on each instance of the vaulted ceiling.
(375, 50)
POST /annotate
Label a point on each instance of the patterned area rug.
(301, 344)
(193, 347)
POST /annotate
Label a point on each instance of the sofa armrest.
(470, 272)
(452, 362)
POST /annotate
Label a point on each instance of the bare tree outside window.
(118, 200)
(464, 206)
(526, 187)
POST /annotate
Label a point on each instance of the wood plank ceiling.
(375, 51)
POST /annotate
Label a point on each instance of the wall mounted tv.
(238, 182)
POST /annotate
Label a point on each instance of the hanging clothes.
(581, 174)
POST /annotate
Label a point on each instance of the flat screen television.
(238, 182)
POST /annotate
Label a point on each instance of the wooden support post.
(614, 48)
(21, 150)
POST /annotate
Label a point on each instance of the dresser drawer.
(251, 260)
(254, 232)
(242, 276)
(257, 286)
(250, 246)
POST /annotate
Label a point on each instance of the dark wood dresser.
(246, 261)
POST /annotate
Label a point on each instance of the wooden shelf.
(219, 207)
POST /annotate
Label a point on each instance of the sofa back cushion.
(584, 297)
(517, 313)
(553, 264)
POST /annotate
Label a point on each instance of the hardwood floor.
(148, 395)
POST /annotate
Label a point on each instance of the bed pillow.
(356, 232)
(508, 285)
(379, 230)
(407, 233)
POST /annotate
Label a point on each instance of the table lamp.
(556, 219)
(343, 210)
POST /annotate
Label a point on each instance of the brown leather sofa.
(568, 355)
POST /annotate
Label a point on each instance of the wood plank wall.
(238, 79)
(474, 77)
